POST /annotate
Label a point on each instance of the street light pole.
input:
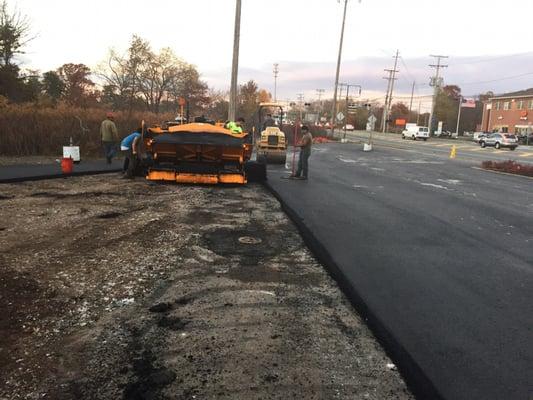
(235, 64)
(276, 71)
(334, 107)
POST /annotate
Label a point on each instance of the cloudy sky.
(488, 42)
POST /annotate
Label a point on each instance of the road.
(467, 150)
(437, 253)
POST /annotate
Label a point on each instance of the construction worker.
(130, 145)
(235, 127)
(109, 136)
(305, 152)
(269, 121)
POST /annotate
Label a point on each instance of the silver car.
(500, 140)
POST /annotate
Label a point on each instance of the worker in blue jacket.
(130, 145)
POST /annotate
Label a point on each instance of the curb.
(417, 381)
(56, 176)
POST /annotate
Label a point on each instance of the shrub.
(509, 166)
(28, 129)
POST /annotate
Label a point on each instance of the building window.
(520, 105)
(506, 105)
(531, 104)
(497, 105)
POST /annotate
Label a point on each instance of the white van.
(415, 132)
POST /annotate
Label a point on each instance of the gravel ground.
(115, 289)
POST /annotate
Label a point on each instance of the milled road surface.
(439, 253)
(117, 289)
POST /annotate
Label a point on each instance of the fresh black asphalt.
(19, 173)
(436, 254)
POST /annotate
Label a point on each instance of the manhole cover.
(249, 240)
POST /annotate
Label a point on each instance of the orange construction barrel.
(66, 165)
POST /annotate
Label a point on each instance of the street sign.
(340, 116)
(182, 101)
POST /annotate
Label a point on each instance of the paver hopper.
(199, 153)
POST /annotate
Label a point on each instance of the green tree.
(247, 100)
(218, 105)
(14, 34)
(77, 84)
(52, 84)
(447, 105)
(189, 86)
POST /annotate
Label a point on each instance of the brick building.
(510, 112)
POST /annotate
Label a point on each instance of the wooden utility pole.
(235, 64)
(411, 102)
(334, 106)
(390, 88)
(436, 81)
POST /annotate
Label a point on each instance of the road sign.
(400, 122)
(340, 116)
(182, 101)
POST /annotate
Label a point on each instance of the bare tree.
(158, 77)
(122, 73)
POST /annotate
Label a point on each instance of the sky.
(488, 42)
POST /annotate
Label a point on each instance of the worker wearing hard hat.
(109, 136)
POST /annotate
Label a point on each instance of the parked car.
(500, 140)
(349, 127)
(523, 139)
(416, 132)
(479, 135)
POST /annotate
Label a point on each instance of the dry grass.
(511, 167)
(29, 130)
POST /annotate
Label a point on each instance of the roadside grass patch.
(509, 166)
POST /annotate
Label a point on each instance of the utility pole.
(300, 103)
(235, 64)
(418, 116)
(348, 86)
(411, 102)
(459, 114)
(390, 88)
(334, 106)
(276, 71)
(319, 93)
(435, 81)
(384, 115)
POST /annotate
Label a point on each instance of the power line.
(496, 80)
(493, 58)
